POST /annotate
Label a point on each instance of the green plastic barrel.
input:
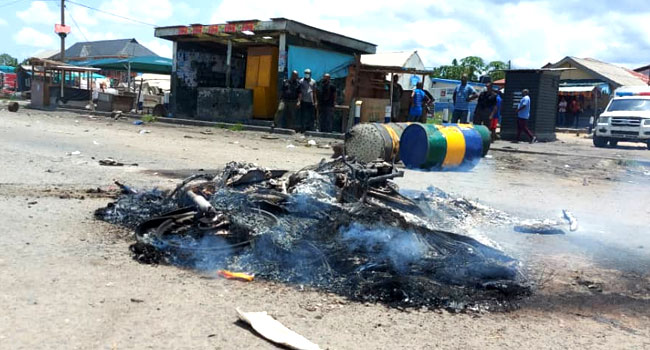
(449, 146)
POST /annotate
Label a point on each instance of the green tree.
(473, 66)
(8, 60)
(495, 70)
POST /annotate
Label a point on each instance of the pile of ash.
(338, 226)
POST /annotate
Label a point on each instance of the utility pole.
(62, 35)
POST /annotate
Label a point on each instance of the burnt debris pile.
(338, 226)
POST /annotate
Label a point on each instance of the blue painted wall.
(319, 61)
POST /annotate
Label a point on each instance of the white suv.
(627, 118)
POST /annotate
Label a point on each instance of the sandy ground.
(68, 281)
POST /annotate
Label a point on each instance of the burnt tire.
(600, 141)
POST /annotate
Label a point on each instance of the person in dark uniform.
(327, 100)
(486, 107)
(397, 97)
(285, 117)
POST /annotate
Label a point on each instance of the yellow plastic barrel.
(449, 146)
(371, 141)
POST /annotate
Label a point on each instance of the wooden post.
(391, 97)
(62, 35)
(228, 63)
(128, 76)
(90, 90)
(140, 94)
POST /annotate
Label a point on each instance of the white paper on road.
(271, 329)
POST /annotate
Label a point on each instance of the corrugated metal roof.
(612, 73)
(108, 48)
(387, 59)
(46, 54)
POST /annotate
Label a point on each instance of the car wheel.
(613, 143)
(648, 145)
(600, 141)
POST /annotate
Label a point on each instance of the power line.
(110, 14)
(77, 25)
(17, 1)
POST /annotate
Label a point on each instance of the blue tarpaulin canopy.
(7, 69)
(143, 64)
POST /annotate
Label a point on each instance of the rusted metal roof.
(610, 73)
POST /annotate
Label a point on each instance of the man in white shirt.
(307, 102)
(523, 114)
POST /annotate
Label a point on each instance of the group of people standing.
(573, 108)
(302, 100)
(420, 102)
(488, 106)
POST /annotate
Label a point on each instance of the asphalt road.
(68, 280)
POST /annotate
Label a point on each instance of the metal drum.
(371, 141)
(450, 146)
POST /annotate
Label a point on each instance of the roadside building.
(232, 71)
(443, 91)
(542, 85)
(591, 83)
(645, 71)
(403, 59)
(369, 80)
(93, 50)
(110, 52)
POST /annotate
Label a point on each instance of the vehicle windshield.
(632, 105)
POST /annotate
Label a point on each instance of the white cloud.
(31, 37)
(160, 47)
(81, 15)
(530, 33)
(148, 11)
(39, 12)
(3, 22)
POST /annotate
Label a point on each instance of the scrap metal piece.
(573, 222)
(110, 162)
(202, 204)
(276, 332)
(125, 189)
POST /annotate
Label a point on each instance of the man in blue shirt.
(418, 100)
(523, 114)
(463, 95)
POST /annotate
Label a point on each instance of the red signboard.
(61, 28)
(217, 28)
(248, 27)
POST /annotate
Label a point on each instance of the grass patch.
(236, 127)
(437, 119)
(148, 118)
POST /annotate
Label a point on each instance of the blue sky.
(530, 33)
